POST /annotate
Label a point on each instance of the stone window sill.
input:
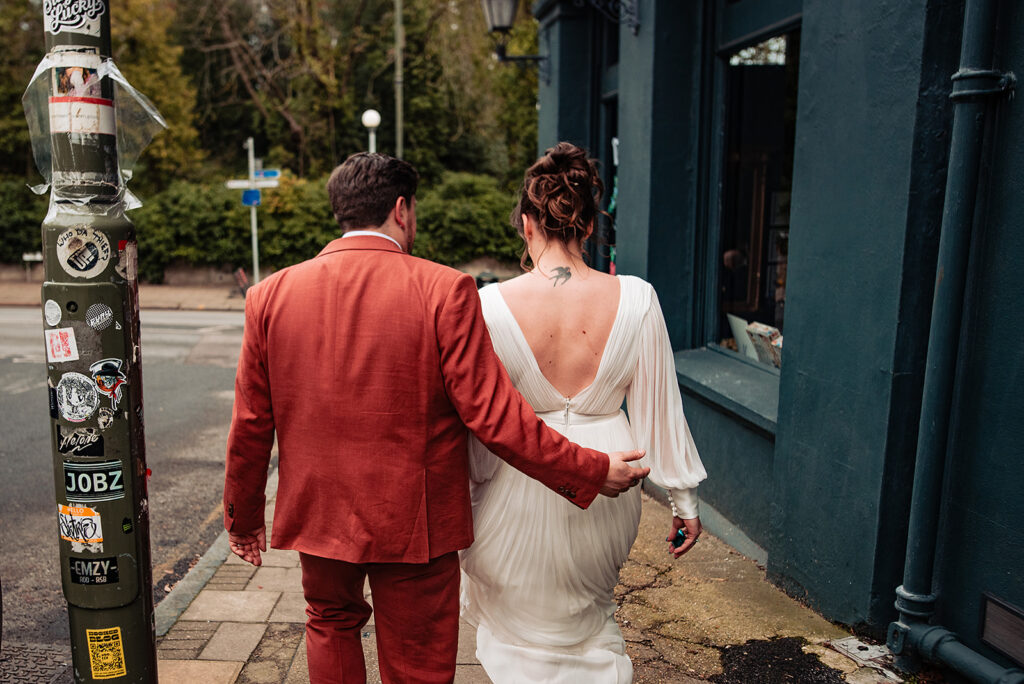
(734, 384)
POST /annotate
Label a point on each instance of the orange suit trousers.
(416, 608)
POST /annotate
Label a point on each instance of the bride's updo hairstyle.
(561, 192)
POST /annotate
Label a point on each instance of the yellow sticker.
(106, 653)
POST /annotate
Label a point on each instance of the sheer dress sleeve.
(656, 417)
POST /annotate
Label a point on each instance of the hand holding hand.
(693, 529)
(248, 546)
(621, 475)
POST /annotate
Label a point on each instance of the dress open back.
(538, 581)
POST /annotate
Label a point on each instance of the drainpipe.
(973, 86)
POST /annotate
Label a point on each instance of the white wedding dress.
(538, 581)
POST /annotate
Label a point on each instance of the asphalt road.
(188, 366)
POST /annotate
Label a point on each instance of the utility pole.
(94, 367)
(251, 147)
(399, 105)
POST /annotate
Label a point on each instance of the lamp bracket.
(619, 11)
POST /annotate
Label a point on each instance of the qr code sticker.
(106, 654)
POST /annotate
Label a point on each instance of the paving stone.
(278, 558)
(291, 608)
(185, 644)
(192, 671)
(273, 656)
(232, 606)
(467, 644)
(276, 579)
(299, 672)
(233, 641)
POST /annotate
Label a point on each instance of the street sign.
(267, 173)
(242, 184)
(251, 198)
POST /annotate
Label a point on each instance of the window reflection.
(760, 118)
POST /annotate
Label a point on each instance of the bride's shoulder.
(636, 286)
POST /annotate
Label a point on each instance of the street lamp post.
(371, 119)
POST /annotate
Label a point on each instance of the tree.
(144, 53)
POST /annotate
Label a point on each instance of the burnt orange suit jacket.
(370, 365)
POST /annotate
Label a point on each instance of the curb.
(184, 592)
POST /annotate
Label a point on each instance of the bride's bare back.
(566, 316)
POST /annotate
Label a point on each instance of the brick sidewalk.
(228, 621)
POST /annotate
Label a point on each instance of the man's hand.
(621, 475)
(248, 546)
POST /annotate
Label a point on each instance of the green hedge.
(463, 217)
(21, 218)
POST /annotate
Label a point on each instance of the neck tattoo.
(561, 275)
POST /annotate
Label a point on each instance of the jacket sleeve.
(252, 429)
(491, 407)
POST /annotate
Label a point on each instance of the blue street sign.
(267, 173)
(251, 198)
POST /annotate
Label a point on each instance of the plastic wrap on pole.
(136, 121)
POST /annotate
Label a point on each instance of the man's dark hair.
(364, 189)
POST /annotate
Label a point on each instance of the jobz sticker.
(83, 252)
(75, 16)
(77, 397)
(52, 312)
(98, 571)
(90, 482)
(82, 526)
(61, 345)
(109, 379)
(99, 316)
(106, 653)
(79, 441)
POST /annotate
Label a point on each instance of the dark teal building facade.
(785, 162)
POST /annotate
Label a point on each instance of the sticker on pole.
(99, 571)
(79, 441)
(77, 397)
(83, 252)
(99, 316)
(109, 379)
(106, 653)
(73, 16)
(52, 312)
(91, 482)
(61, 345)
(82, 526)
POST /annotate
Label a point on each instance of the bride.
(539, 579)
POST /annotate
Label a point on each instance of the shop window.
(757, 179)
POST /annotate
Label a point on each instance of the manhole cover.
(23, 663)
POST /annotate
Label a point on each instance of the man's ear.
(401, 211)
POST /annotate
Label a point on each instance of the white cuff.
(683, 503)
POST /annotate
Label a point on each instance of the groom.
(372, 366)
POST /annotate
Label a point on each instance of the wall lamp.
(500, 16)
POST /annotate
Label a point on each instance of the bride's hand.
(692, 529)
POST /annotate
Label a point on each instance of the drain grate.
(24, 663)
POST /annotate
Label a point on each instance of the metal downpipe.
(973, 84)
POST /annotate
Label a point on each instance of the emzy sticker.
(79, 441)
(98, 571)
(88, 482)
(61, 345)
